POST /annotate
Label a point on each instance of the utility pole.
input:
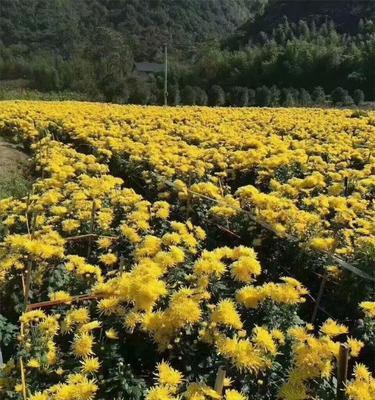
(165, 74)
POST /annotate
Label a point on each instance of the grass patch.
(14, 185)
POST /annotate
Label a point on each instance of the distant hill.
(344, 14)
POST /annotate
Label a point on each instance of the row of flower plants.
(112, 286)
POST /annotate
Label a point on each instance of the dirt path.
(12, 160)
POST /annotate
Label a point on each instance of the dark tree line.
(264, 96)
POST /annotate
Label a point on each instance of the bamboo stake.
(88, 236)
(319, 297)
(188, 200)
(22, 369)
(23, 379)
(91, 229)
(342, 371)
(122, 263)
(27, 279)
(52, 303)
(219, 382)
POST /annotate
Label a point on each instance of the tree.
(251, 94)
(45, 78)
(174, 95)
(304, 98)
(318, 95)
(216, 96)
(341, 96)
(338, 95)
(263, 96)
(201, 97)
(275, 96)
(287, 97)
(140, 92)
(239, 96)
(358, 97)
(188, 96)
(113, 62)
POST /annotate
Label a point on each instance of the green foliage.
(8, 331)
(358, 97)
(189, 96)
(216, 96)
(263, 96)
(239, 96)
(318, 95)
(13, 185)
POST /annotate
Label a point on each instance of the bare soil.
(12, 160)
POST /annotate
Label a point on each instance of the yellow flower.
(332, 328)
(70, 225)
(228, 382)
(262, 338)
(246, 268)
(159, 393)
(112, 334)
(108, 259)
(33, 363)
(32, 316)
(104, 243)
(39, 396)
(368, 308)
(168, 375)
(363, 386)
(82, 345)
(355, 346)
(59, 371)
(90, 365)
(234, 395)
(225, 313)
(324, 244)
(61, 296)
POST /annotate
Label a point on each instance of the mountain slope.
(63, 25)
(344, 14)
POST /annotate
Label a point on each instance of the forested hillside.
(221, 52)
(345, 15)
(62, 26)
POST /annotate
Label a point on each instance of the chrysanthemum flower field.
(193, 253)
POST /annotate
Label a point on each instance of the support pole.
(165, 74)
(342, 370)
(92, 222)
(219, 383)
(319, 297)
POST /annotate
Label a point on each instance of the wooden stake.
(346, 186)
(53, 303)
(188, 200)
(23, 379)
(219, 382)
(26, 282)
(320, 295)
(122, 263)
(342, 370)
(88, 236)
(91, 229)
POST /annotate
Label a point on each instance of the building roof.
(149, 67)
